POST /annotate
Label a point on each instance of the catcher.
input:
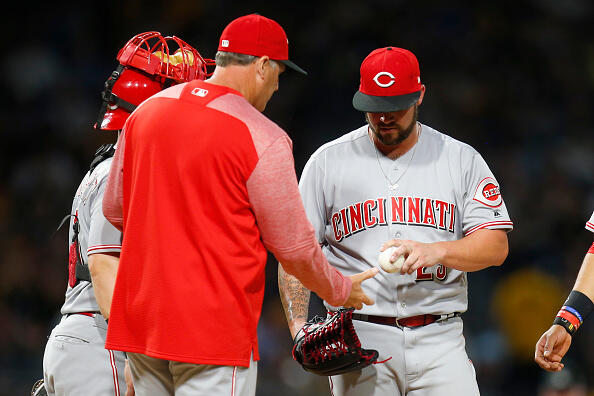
(75, 360)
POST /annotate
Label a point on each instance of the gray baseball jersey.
(590, 223)
(357, 199)
(96, 235)
(75, 361)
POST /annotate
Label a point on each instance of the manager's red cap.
(258, 36)
(390, 81)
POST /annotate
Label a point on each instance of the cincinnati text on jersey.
(416, 211)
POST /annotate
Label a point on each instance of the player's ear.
(422, 95)
(261, 64)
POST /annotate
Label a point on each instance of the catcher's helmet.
(147, 65)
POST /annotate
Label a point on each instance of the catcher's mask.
(149, 63)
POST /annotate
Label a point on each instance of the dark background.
(514, 79)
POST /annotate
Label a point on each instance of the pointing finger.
(370, 273)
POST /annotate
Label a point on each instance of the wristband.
(571, 318)
(591, 250)
(571, 329)
(572, 314)
(581, 303)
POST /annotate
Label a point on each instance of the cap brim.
(384, 104)
(293, 66)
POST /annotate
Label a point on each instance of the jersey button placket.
(401, 311)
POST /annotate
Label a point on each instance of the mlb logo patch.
(225, 43)
(200, 92)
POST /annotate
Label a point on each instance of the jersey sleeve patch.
(487, 193)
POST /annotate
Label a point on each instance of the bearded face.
(393, 128)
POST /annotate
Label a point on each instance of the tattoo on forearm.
(294, 296)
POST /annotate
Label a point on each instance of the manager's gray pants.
(158, 377)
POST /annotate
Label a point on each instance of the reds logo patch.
(488, 193)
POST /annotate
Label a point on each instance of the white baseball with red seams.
(385, 260)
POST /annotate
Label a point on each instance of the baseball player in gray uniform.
(75, 360)
(395, 182)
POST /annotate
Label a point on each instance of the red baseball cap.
(390, 81)
(258, 36)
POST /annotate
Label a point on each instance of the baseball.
(386, 264)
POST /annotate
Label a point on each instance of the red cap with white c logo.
(390, 81)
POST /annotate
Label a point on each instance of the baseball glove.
(330, 346)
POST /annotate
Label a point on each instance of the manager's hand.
(358, 297)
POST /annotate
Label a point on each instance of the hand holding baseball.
(412, 255)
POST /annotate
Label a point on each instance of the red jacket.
(202, 184)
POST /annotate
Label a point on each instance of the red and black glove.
(330, 346)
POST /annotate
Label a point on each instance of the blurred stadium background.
(515, 79)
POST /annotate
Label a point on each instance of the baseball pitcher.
(397, 183)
